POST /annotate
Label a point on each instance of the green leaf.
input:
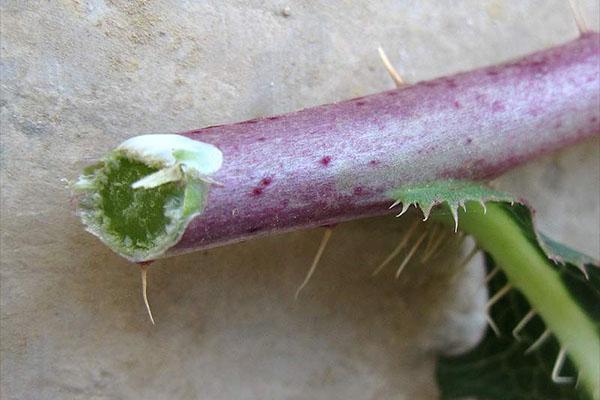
(562, 254)
(499, 368)
(453, 193)
(561, 286)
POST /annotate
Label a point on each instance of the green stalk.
(529, 271)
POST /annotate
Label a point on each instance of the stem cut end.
(142, 195)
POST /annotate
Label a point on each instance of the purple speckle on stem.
(498, 106)
(325, 160)
(537, 66)
(144, 264)
(421, 127)
(451, 83)
(469, 140)
(264, 182)
(358, 190)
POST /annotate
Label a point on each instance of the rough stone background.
(79, 76)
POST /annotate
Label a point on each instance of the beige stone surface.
(79, 76)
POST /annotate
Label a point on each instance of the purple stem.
(336, 162)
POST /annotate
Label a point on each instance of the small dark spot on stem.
(145, 263)
(266, 181)
(360, 103)
(257, 191)
(456, 104)
(374, 162)
(325, 160)
(202, 130)
(451, 82)
(261, 139)
(469, 140)
(498, 106)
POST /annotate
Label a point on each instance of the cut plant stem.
(336, 162)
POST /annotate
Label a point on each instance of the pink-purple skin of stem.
(337, 162)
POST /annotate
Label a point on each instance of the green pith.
(135, 217)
